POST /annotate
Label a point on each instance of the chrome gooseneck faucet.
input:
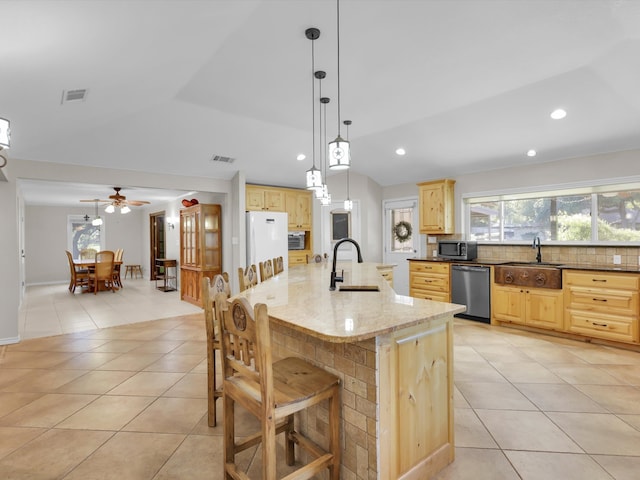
(334, 277)
(536, 244)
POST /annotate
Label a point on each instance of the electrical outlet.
(617, 259)
(435, 253)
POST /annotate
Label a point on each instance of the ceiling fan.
(118, 201)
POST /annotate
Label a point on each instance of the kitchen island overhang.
(393, 354)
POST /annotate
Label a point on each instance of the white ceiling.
(462, 85)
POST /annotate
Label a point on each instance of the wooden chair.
(88, 254)
(272, 392)
(219, 284)
(247, 278)
(103, 271)
(278, 265)
(266, 270)
(79, 277)
(316, 258)
(116, 267)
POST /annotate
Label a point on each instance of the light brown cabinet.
(602, 305)
(200, 249)
(298, 207)
(259, 198)
(436, 207)
(535, 307)
(429, 280)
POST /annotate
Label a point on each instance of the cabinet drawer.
(425, 281)
(603, 300)
(610, 327)
(602, 280)
(297, 258)
(429, 267)
(429, 295)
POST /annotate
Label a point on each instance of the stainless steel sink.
(359, 288)
(539, 275)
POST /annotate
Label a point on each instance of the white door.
(401, 239)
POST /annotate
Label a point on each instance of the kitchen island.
(393, 354)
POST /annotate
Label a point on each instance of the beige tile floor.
(129, 402)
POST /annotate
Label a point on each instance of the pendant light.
(339, 149)
(320, 191)
(97, 221)
(314, 176)
(325, 200)
(348, 204)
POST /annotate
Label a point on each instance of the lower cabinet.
(430, 280)
(602, 305)
(536, 307)
(297, 257)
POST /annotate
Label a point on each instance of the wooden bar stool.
(272, 392)
(266, 270)
(247, 278)
(219, 284)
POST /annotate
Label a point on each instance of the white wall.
(9, 260)
(46, 240)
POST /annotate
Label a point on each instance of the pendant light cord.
(338, 28)
(313, 107)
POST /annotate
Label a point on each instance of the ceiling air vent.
(220, 158)
(74, 95)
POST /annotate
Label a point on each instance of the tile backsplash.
(560, 254)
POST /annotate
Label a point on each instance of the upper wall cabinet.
(299, 209)
(259, 198)
(436, 207)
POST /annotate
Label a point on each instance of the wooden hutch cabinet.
(200, 249)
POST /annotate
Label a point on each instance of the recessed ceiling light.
(558, 114)
(531, 153)
(400, 151)
(301, 157)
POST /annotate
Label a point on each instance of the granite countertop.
(300, 298)
(564, 266)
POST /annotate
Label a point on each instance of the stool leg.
(269, 448)
(229, 437)
(289, 446)
(334, 433)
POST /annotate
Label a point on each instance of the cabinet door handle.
(599, 324)
(599, 299)
(603, 280)
(428, 281)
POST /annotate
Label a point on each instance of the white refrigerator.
(267, 237)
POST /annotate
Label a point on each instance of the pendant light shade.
(339, 154)
(97, 221)
(5, 134)
(314, 178)
(348, 205)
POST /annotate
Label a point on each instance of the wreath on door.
(402, 231)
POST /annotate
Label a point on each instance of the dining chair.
(79, 277)
(247, 278)
(278, 265)
(211, 287)
(88, 254)
(271, 392)
(266, 270)
(117, 259)
(103, 272)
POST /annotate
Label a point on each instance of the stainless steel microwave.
(296, 240)
(457, 250)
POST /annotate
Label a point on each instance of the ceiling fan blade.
(137, 203)
(95, 200)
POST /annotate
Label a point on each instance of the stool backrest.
(247, 278)
(266, 270)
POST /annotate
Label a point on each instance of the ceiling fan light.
(339, 154)
(110, 208)
(125, 209)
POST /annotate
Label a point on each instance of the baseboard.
(10, 340)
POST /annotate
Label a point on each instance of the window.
(581, 215)
(82, 234)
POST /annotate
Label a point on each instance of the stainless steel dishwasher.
(471, 286)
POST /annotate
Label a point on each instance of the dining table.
(89, 264)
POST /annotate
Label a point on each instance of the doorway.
(157, 239)
(401, 239)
